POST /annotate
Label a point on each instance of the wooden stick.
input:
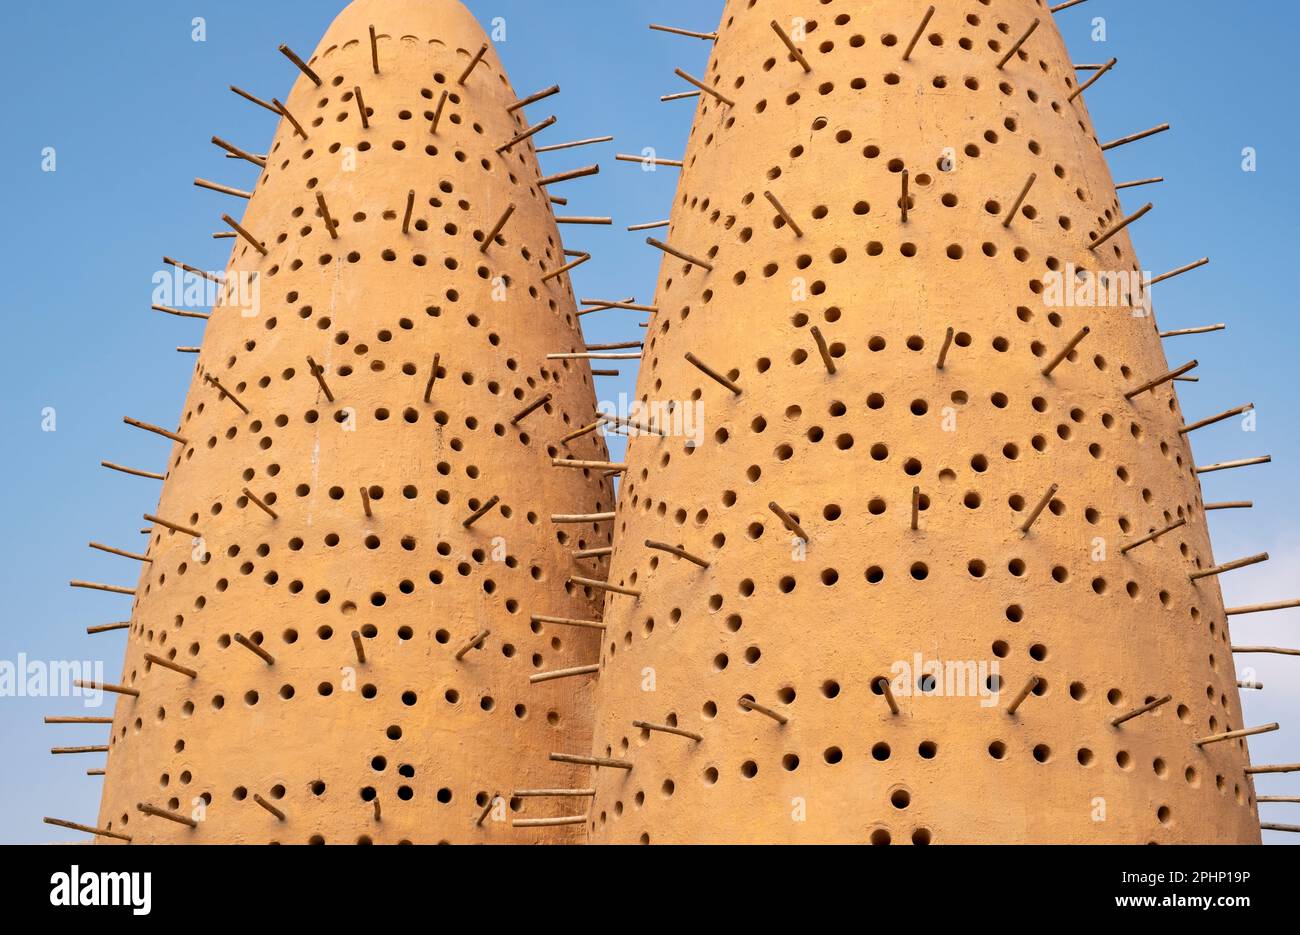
(1020, 200)
(319, 373)
(258, 501)
(684, 32)
(189, 350)
(788, 521)
(751, 705)
(166, 309)
(255, 99)
(361, 106)
(1229, 566)
(823, 349)
(531, 408)
(365, 503)
(916, 508)
(652, 225)
(943, 351)
(254, 649)
(596, 761)
(780, 209)
(1271, 826)
(374, 50)
(713, 374)
(603, 586)
(482, 511)
(1037, 511)
(1150, 706)
(1022, 694)
(496, 229)
(574, 144)
(268, 806)
(1151, 537)
(672, 251)
(1018, 43)
(594, 553)
(437, 112)
(680, 96)
(302, 66)
(1135, 184)
(563, 673)
(192, 269)
(569, 176)
(1231, 505)
(616, 346)
(704, 87)
(564, 518)
(487, 809)
(284, 112)
(569, 622)
(606, 304)
(1185, 331)
(1260, 608)
(1135, 137)
(1162, 379)
(239, 153)
(588, 465)
(676, 550)
(1121, 225)
(134, 472)
(222, 189)
(1213, 419)
(552, 793)
(668, 729)
(1064, 6)
(88, 829)
(1203, 261)
(916, 37)
(476, 642)
(586, 430)
(1268, 650)
(548, 822)
(78, 720)
(1229, 465)
(571, 219)
(136, 423)
(226, 394)
(1258, 686)
(96, 586)
(112, 551)
(1093, 80)
(794, 49)
(109, 627)
(625, 422)
(62, 751)
(156, 812)
(478, 57)
(1280, 768)
(433, 377)
(1236, 734)
(235, 225)
(1262, 798)
(533, 98)
(531, 131)
(1066, 351)
(108, 687)
(889, 694)
(554, 274)
(672, 163)
(174, 527)
(326, 217)
(168, 664)
(358, 647)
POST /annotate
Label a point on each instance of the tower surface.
(352, 551)
(879, 497)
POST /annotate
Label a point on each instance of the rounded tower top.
(445, 22)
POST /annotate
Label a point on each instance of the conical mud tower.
(941, 533)
(345, 652)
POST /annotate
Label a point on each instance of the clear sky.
(129, 101)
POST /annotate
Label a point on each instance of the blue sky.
(129, 102)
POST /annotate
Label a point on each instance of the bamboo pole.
(1213, 419)
(1270, 650)
(1162, 379)
(684, 32)
(526, 134)
(596, 761)
(1151, 537)
(533, 98)
(1149, 706)
(168, 310)
(574, 144)
(1237, 734)
(1203, 261)
(1018, 43)
(112, 551)
(478, 57)
(96, 586)
(1186, 331)
(134, 472)
(704, 87)
(1124, 140)
(1229, 465)
(713, 374)
(221, 189)
(1229, 566)
(1066, 351)
(169, 664)
(1260, 608)
(157, 430)
(174, 527)
(794, 49)
(568, 622)
(1135, 216)
(1093, 80)
(563, 674)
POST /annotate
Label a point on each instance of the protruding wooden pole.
(920, 31)
(1093, 80)
(210, 277)
(1229, 465)
(238, 153)
(1228, 566)
(905, 201)
(684, 32)
(563, 674)
(268, 806)
(1021, 695)
(179, 313)
(302, 66)
(603, 586)
(947, 346)
(155, 812)
(567, 267)
(327, 217)
(673, 251)
(594, 553)
(526, 134)
(254, 649)
(1254, 686)
(410, 209)
(497, 228)
(1037, 511)
(109, 627)
(482, 511)
(157, 430)
(533, 98)
(789, 521)
(569, 176)
(134, 472)
(823, 349)
(469, 70)
(259, 502)
(649, 226)
(680, 96)
(579, 518)
(1151, 537)
(174, 527)
(437, 111)
(284, 112)
(704, 87)
(374, 50)
(552, 793)
(226, 394)
(96, 586)
(361, 107)
(630, 305)
(77, 720)
(1237, 734)
(1136, 215)
(108, 687)
(668, 729)
(1260, 608)
(68, 751)
(1162, 379)
(221, 189)
(713, 374)
(1230, 505)
(568, 622)
(794, 49)
(1266, 650)
(475, 642)
(319, 373)
(1138, 182)
(750, 704)
(358, 647)
(1123, 140)
(596, 761)
(1207, 329)
(888, 694)
(1020, 200)
(1203, 261)
(574, 144)
(1262, 798)
(169, 664)
(916, 508)
(780, 209)
(1064, 6)
(255, 99)
(676, 550)
(1240, 410)
(1018, 43)
(365, 503)
(531, 408)
(238, 229)
(124, 554)
(87, 829)
(1149, 706)
(1279, 768)
(588, 465)
(1066, 351)
(585, 430)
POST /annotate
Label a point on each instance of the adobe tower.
(914, 457)
(345, 653)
